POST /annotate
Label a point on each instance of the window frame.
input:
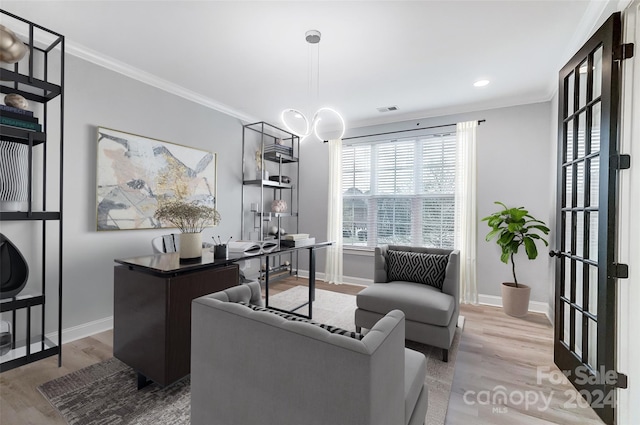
(417, 196)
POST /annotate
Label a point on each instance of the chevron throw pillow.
(296, 318)
(416, 267)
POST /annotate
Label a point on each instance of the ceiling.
(250, 58)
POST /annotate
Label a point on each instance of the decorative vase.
(279, 206)
(515, 301)
(14, 272)
(190, 246)
(12, 49)
(14, 159)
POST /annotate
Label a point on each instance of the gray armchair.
(422, 282)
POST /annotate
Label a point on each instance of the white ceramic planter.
(515, 301)
(190, 245)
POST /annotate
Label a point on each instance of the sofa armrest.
(451, 283)
(380, 260)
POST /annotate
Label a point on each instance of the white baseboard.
(82, 331)
(101, 325)
(534, 306)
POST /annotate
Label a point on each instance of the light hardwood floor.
(496, 352)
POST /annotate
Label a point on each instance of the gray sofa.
(254, 367)
(431, 312)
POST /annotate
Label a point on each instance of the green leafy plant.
(515, 227)
(189, 217)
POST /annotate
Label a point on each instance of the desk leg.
(266, 281)
(312, 280)
(143, 381)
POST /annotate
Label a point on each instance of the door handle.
(555, 254)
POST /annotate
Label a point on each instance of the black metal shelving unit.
(39, 78)
(262, 190)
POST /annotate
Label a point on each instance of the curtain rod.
(402, 131)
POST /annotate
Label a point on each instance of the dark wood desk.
(152, 306)
(152, 311)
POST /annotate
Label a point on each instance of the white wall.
(513, 167)
(628, 344)
(96, 97)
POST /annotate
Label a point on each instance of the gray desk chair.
(422, 282)
(166, 243)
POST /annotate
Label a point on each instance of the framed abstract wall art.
(135, 173)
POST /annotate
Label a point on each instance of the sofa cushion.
(296, 318)
(415, 372)
(417, 267)
(419, 302)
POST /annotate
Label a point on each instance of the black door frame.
(597, 386)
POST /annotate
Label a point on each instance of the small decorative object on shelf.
(281, 179)
(278, 206)
(12, 49)
(191, 219)
(277, 231)
(14, 174)
(258, 164)
(16, 101)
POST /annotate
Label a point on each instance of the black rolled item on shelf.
(281, 179)
(14, 271)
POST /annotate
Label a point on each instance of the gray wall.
(96, 97)
(514, 166)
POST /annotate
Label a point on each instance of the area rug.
(106, 393)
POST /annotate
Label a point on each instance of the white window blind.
(399, 192)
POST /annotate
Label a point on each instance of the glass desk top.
(170, 263)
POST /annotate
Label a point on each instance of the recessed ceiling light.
(481, 83)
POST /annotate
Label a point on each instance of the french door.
(586, 270)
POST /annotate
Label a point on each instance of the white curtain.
(333, 267)
(466, 217)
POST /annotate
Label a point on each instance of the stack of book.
(278, 149)
(297, 240)
(19, 118)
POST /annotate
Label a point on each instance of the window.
(400, 192)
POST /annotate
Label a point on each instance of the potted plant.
(191, 218)
(514, 227)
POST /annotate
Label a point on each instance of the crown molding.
(115, 65)
(452, 110)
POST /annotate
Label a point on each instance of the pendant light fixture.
(295, 121)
